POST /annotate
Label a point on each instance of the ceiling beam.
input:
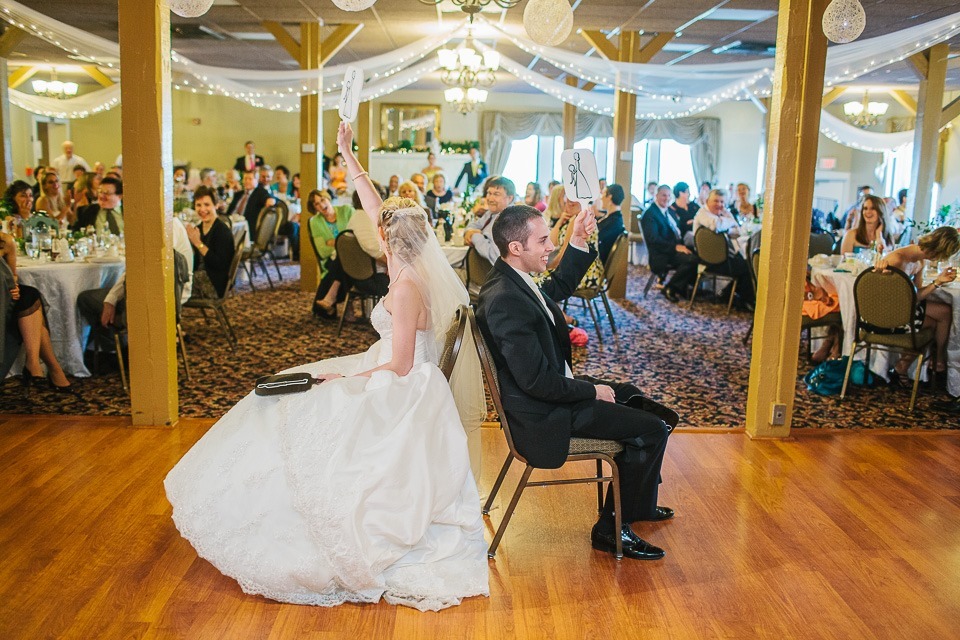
(588, 86)
(950, 112)
(283, 37)
(94, 72)
(653, 47)
(20, 76)
(832, 95)
(905, 99)
(919, 64)
(337, 40)
(598, 41)
(11, 37)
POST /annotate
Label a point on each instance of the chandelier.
(473, 7)
(466, 72)
(54, 88)
(864, 113)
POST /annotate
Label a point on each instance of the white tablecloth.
(950, 294)
(60, 284)
(455, 255)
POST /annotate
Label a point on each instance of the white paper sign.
(350, 94)
(580, 179)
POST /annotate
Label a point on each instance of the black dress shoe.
(670, 294)
(633, 546)
(660, 513)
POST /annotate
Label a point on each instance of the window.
(522, 163)
(675, 163)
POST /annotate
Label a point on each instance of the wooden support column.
(569, 119)
(311, 150)
(147, 135)
(6, 152)
(624, 128)
(364, 129)
(931, 66)
(791, 166)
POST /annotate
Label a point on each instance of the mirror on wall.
(409, 125)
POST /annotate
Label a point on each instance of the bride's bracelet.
(359, 175)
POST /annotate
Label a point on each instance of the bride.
(361, 487)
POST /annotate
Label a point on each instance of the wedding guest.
(249, 161)
(871, 230)
(719, 219)
(554, 209)
(651, 194)
(38, 177)
(338, 175)
(935, 247)
(560, 238)
(534, 197)
(610, 224)
(295, 187)
(52, 199)
(851, 216)
(99, 169)
(107, 213)
(250, 200)
(212, 240)
(682, 208)
(705, 189)
(432, 167)
(742, 209)
(420, 180)
(898, 216)
(500, 193)
(474, 170)
(438, 194)
(65, 162)
(409, 189)
(393, 187)
(326, 224)
(84, 192)
(27, 316)
(551, 185)
(282, 187)
(265, 177)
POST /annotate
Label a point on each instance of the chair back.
(453, 342)
(268, 221)
(711, 246)
(493, 382)
(9, 332)
(39, 218)
(821, 243)
(478, 269)
(755, 267)
(235, 262)
(181, 274)
(616, 259)
(753, 242)
(355, 262)
(633, 222)
(885, 300)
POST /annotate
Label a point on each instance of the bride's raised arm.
(369, 197)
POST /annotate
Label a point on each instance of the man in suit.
(542, 400)
(500, 193)
(250, 161)
(610, 225)
(250, 200)
(475, 171)
(661, 233)
(107, 213)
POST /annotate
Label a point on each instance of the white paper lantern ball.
(354, 5)
(843, 21)
(548, 22)
(190, 8)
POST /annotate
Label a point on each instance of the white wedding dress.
(357, 489)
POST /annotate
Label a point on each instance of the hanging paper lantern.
(354, 5)
(843, 21)
(548, 22)
(190, 8)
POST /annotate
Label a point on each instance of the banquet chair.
(635, 235)
(821, 243)
(580, 449)
(268, 223)
(754, 265)
(204, 297)
(712, 250)
(453, 342)
(478, 270)
(362, 271)
(611, 269)
(10, 339)
(886, 301)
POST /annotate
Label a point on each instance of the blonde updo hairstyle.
(405, 228)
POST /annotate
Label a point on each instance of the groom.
(544, 403)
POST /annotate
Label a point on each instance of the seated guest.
(26, 315)
(366, 232)
(326, 223)
(212, 240)
(249, 161)
(52, 200)
(683, 209)
(84, 192)
(936, 247)
(534, 198)
(420, 180)
(651, 194)
(17, 206)
(610, 224)
(438, 194)
(474, 170)
(180, 189)
(249, 201)
(338, 175)
(555, 200)
(105, 308)
(107, 213)
(871, 230)
(282, 187)
(208, 179)
(500, 193)
(432, 167)
(265, 177)
(742, 209)
(703, 194)
(851, 217)
(719, 219)
(393, 187)
(898, 216)
(295, 188)
(38, 176)
(409, 190)
(661, 234)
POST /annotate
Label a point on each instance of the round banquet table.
(59, 285)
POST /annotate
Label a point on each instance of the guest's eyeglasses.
(106, 194)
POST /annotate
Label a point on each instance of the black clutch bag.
(284, 383)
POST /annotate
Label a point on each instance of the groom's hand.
(605, 393)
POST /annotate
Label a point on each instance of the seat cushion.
(898, 340)
(589, 445)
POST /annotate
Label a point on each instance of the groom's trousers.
(644, 436)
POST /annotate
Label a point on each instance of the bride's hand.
(345, 138)
(328, 376)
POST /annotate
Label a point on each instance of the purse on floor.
(284, 383)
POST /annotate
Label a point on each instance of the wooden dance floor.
(825, 535)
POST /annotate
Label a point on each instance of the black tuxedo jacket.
(529, 352)
(87, 217)
(473, 179)
(659, 238)
(241, 163)
(257, 201)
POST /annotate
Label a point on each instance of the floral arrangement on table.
(405, 146)
(947, 215)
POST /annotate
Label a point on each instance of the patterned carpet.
(692, 360)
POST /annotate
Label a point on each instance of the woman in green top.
(326, 224)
